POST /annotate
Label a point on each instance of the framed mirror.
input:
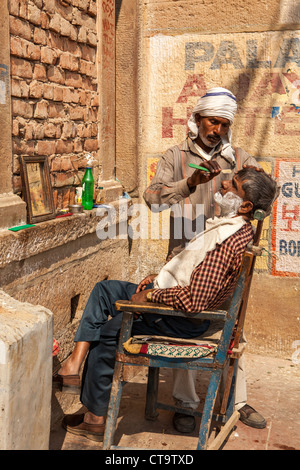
(37, 189)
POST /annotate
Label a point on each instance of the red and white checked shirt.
(213, 280)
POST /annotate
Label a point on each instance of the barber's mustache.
(214, 137)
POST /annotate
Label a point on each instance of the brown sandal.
(67, 383)
(75, 424)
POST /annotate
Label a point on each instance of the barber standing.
(190, 194)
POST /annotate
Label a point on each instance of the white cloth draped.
(179, 269)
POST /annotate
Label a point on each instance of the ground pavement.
(273, 389)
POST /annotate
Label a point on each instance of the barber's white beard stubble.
(229, 203)
(205, 141)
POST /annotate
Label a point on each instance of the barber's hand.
(201, 176)
(148, 280)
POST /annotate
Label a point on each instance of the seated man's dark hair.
(259, 188)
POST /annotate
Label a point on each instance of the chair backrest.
(238, 306)
(249, 260)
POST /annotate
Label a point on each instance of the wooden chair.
(228, 351)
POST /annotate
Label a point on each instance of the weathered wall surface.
(254, 50)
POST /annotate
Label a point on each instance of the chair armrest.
(162, 309)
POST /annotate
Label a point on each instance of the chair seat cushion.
(168, 348)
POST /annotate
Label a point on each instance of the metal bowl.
(76, 208)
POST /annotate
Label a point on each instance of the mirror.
(37, 190)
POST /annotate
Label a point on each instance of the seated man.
(201, 277)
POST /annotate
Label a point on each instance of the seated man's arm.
(209, 281)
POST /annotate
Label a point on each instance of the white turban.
(218, 102)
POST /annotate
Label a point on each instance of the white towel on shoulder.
(179, 269)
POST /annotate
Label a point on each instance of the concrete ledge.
(25, 375)
(15, 246)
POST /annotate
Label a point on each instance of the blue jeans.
(103, 333)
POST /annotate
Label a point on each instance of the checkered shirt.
(213, 280)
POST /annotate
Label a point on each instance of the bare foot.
(68, 368)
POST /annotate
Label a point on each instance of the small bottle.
(88, 189)
(78, 195)
(100, 195)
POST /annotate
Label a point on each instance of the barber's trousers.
(184, 390)
(103, 333)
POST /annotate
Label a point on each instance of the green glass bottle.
(88, 189)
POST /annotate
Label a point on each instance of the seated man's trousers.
(100, 325)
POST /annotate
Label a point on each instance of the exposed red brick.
(34, 14)
(72, 196)
(63, 146)
(20, 28)
(38, 130)
(56, 75)
(66, 164)
(55, 164)
(21, 147)
(66, 197)
(87, 68)
(54, 193)
(78, 146)
(56, 41)
(68, 61)
(88, 53)
(56, 110)
(76, 113)
(48, 55)
(29, 131)
(91, 145)
(39, 36)
(52, 130)
(15, 128)
(58, 93)
(23, 8)
(16, 46)
(73, 79)
(55, 22)
(36, 89)
(21, 68)
(54, 86)
(41, 110)
(68, 130)
(63, 179)
(17, 183)
(45, 147)
(48, 91)
(19, 88)
(22, 108)
(39, 72)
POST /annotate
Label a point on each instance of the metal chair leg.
(114, 405)
(208, 409)
(152, 391)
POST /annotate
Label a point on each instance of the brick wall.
(54, 88)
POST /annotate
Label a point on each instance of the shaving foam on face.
(229, 203)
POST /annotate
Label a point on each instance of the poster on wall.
(286, 220)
